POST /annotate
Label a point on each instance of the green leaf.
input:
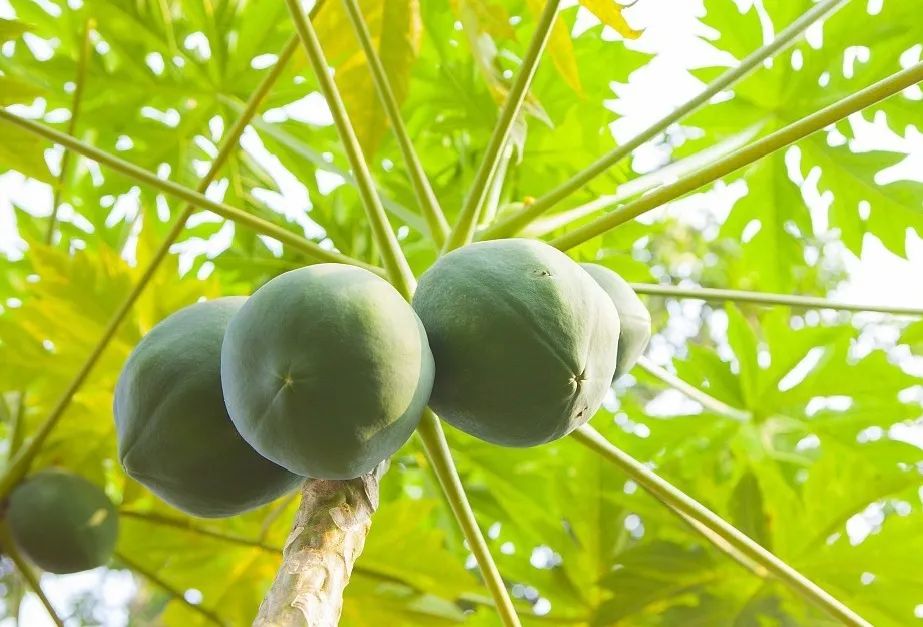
(15, 91)
(23, 151)
(892, 207)
(11, 29)
(743, 341)
(747, 510)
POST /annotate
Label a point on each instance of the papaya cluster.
(325, 371)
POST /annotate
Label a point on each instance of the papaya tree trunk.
(328, 535)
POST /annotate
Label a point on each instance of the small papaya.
(326, 370)
(635, 318)
(62, 522)
(525, 341)
(174, 432)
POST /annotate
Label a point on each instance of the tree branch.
(326, 539)
(745, 156)
(517, 221)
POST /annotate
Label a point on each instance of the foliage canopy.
(816, 463)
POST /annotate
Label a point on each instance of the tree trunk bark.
(326, 539)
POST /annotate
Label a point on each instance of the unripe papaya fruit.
(62, 522)
(635, 318)
(174, 432)
(524, 340)
(326, 370)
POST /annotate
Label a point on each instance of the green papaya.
(326, 370)
(62, 522)
(635, 318)
(174, 432)
(525, 341)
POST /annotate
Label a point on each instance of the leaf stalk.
(768, 299)
(517, 221)
(392, 256)
(432, 211)
(678, 502)
(151, 576)
(440, 458)
(31, 579)
(707, 401)
(463, 231)
(401, 276)
(76, 102)
(745, 156)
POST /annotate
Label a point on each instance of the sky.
(652, 91)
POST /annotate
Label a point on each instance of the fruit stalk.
(326, 539)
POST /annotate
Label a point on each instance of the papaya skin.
(525, 341)
(636, 319)
(174, 432)
(62, 522)
(326, 371)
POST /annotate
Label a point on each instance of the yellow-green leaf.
(23, 151)
(609, 13)
(13, 91)
(11, 29)
(561, 49)
(396, 30)
(491, 18)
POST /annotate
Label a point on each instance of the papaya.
(174, 433)
(62, 522)
(635, 318)
(524, 340)
(326, 370)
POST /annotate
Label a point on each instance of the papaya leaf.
(609, 13)
(11, 29)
